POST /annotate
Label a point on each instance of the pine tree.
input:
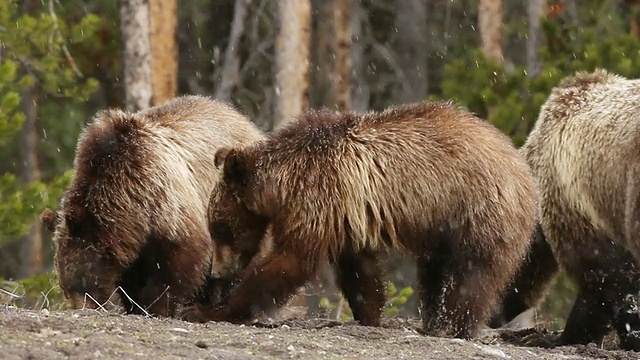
(34, 51)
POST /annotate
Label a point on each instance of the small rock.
(285, 327)
(201, 344)
(270, 337)
(291, 348)
(44, 312)
(180, 330)
(493, 351)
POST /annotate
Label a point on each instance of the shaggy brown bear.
(134, 215)
(429, 178)
(582, 151)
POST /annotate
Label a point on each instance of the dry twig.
(56, 32)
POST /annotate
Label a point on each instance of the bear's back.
(156, 164)
(382, 170)
(585, 138)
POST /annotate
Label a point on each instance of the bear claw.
(193, 314)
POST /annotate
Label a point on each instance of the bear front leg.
(156, 299)
(589, 319)
(142, 290)
(263, 288)
(359, 278)
(632, 214)
(605, 283)
(628, 324)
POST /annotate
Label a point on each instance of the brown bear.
(582, 151)
(430, 179)
(134, 216)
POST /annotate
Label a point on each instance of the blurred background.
(63, 60)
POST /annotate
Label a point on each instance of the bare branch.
(231, 66)
(56, 30)
(388, 57)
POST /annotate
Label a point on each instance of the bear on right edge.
(584, 153)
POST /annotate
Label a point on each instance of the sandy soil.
(89, 334)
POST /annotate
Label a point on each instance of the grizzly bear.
(582, 152)
(430, 179)
(134, 217)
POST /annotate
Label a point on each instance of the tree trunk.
(320, 54)
(31, 251)
(230, 75)
(360, 91)
(134, 28)
(292, 59)
(340, 36)
(491, 28)
(632, 7)
(535, 12)
(333, 54)
(412, 49)
(163, 21)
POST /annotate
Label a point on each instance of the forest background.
(63, 60)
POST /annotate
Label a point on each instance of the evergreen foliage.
(510, 99)
(33, 55)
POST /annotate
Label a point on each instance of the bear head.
(87, 270)
(237, 225)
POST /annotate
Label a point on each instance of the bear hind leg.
(359, 277)
(530, 283)
(468, 295)
(430, 274)
(459, 291)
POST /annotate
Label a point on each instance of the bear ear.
(49, 219)
(236, 168)
(218, 158)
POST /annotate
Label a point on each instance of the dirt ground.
(89, 334)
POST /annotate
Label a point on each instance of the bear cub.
(134, 217)
(429, 179)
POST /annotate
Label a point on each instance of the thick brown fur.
(530, 285)
(134, 215)
(428, 178)
(584, 152)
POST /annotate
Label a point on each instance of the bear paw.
(196, 314)
(631, 341)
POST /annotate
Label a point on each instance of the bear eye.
(221, 232)
(77, 229)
